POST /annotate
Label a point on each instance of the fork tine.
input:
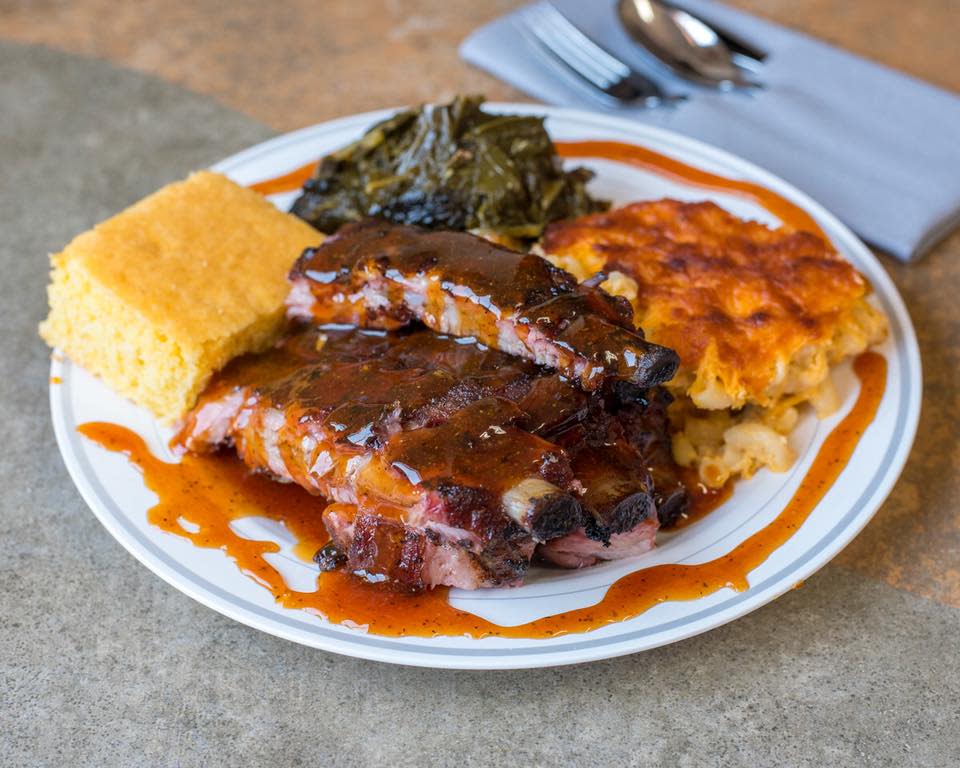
(554, 34)
(580, 41)
(579, 56)
(578, 78)
(573, 54)
(567, 50)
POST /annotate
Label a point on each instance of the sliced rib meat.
(620, 503)
(631, 485)
(375, 543)
(646, 429)
(378, 274)
(448, 462)
(423, 423)
(578, 550)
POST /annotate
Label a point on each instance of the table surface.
(101, 663)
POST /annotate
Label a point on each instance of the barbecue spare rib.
(448, 462)
(377, 274)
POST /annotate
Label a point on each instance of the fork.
(599, 68)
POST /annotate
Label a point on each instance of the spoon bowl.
(682, 42)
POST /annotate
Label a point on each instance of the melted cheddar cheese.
(757, 316)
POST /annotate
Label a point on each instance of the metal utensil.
(559, 37)
(682, 42)
(744, 54)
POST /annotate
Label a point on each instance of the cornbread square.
(158, 297)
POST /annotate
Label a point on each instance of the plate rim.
(412, 651)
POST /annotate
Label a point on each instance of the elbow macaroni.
(757, 315)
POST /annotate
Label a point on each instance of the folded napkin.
(878, 148)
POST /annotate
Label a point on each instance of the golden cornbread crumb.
(158, 297)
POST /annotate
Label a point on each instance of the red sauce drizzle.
(289, 182)
(211, 491)
(208, 492)
(789, 213)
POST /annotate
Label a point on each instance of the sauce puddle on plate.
(203, 494)
(703, 500)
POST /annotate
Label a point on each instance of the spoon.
(683, 42)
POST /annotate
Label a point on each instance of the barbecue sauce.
(788, 212)
(591, 333)
(289, 182)
(703, 500)
(209, 491)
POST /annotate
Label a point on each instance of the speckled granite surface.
(103, 664)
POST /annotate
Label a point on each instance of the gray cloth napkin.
(878, 148)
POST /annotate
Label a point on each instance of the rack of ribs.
(378, 274)
(448, 462)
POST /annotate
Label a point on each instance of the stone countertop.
(101, 663)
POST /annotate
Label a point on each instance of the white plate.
(117, 495)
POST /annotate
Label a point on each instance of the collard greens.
(450, 166)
